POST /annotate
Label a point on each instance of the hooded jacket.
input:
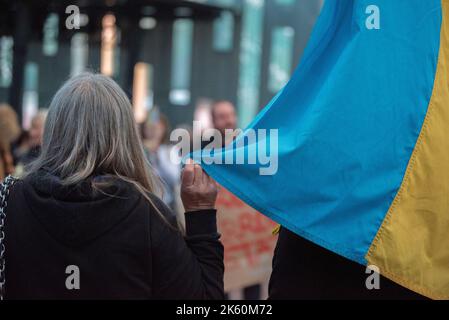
(75, 242)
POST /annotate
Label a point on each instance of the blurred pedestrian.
(21, 146)
(158, 153)
(9, 132)
(36, 133)
(85, 221)
(224, 118)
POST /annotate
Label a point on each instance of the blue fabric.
(348, 122)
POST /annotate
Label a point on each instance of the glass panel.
(79, 53)
(223, 3)
(108, 45)
(30, 93)
(147, 23)
(224, 32)
(142, 91)
(181, 62)
(6, 59)
(250, 60)
(286, 2)
(281, 55)
(51, 33)
(117, 53)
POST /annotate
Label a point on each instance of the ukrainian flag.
(363, 141)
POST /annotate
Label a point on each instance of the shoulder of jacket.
(160, 208)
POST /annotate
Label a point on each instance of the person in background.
(36, 133)
(158, 151)
(89, 207)
(9, 132)
(224, 117)
(21, 146)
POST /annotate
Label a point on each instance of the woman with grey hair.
(85, 223)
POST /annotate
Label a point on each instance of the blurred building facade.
(170, 53)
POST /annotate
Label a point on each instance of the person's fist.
(198, 190)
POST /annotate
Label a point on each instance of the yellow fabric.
(412, 245)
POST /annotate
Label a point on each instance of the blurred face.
(36, 131)
(154, 134)
(161, 130)
(224, 116)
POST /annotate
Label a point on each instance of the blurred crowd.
(19, 147)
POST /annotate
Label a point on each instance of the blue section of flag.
(348, 122)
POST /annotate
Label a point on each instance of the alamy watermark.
(73, 21)
(72, 282)
(373, 280)
(372, 22)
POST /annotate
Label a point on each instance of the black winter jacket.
(117, 241)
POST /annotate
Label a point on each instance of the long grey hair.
(90, 130)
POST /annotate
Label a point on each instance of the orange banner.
(248, 241)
